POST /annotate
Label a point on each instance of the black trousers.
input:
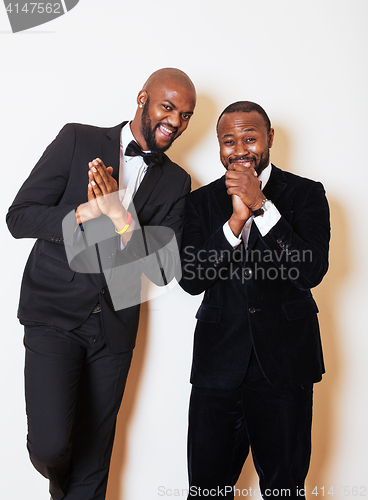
(274, 423)
(74, 385)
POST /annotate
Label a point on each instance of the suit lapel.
(276, 185)
(222, 199)
(111, 149)
(146, 187)
(253, 236)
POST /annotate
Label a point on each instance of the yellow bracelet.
(123, 230)
(126, 227)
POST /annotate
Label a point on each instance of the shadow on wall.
(325, 426)
(280, 152)
(202, 121)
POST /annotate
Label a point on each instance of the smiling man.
(78, 346)
(255, 241)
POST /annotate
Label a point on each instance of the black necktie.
(150, 159)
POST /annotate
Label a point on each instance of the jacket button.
(248, 272)
(252, 310)
(102, 290)
(111, 255)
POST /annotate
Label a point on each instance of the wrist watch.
(266, 204)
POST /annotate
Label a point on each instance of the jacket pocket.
(55, 266)
(209, 313)
(300, 308)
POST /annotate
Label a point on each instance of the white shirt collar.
(126, 136)
(265, 175)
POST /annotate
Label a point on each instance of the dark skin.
(244, 151)
(172, 100)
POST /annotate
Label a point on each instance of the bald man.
(78, 343)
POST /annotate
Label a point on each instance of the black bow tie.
(150, 159)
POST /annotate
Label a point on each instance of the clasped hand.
(243, 182)
(244, 187)
(103, 189)
(103, 196)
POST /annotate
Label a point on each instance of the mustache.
(241, 158)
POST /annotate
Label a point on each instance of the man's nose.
(240, 149)
(175, 119)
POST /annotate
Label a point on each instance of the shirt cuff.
(269, 219)
(123, 245)
(78, 231)
(229, 235)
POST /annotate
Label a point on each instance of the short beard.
(149, 133)
(263, 162)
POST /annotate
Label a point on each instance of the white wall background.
(306, 64)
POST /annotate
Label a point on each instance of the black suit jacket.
(259, 298)
(51, 291)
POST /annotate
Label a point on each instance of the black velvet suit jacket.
(259, 298)
(51, 291)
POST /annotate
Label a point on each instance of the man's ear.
(142, 98)
(271, 135)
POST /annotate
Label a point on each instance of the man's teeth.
(166, 129)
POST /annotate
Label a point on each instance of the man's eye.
(229, 142)
(185, 116)
(168, 108)
(250, 139)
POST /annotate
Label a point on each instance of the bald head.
(169, 76)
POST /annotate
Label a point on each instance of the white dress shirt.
(132, 169)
